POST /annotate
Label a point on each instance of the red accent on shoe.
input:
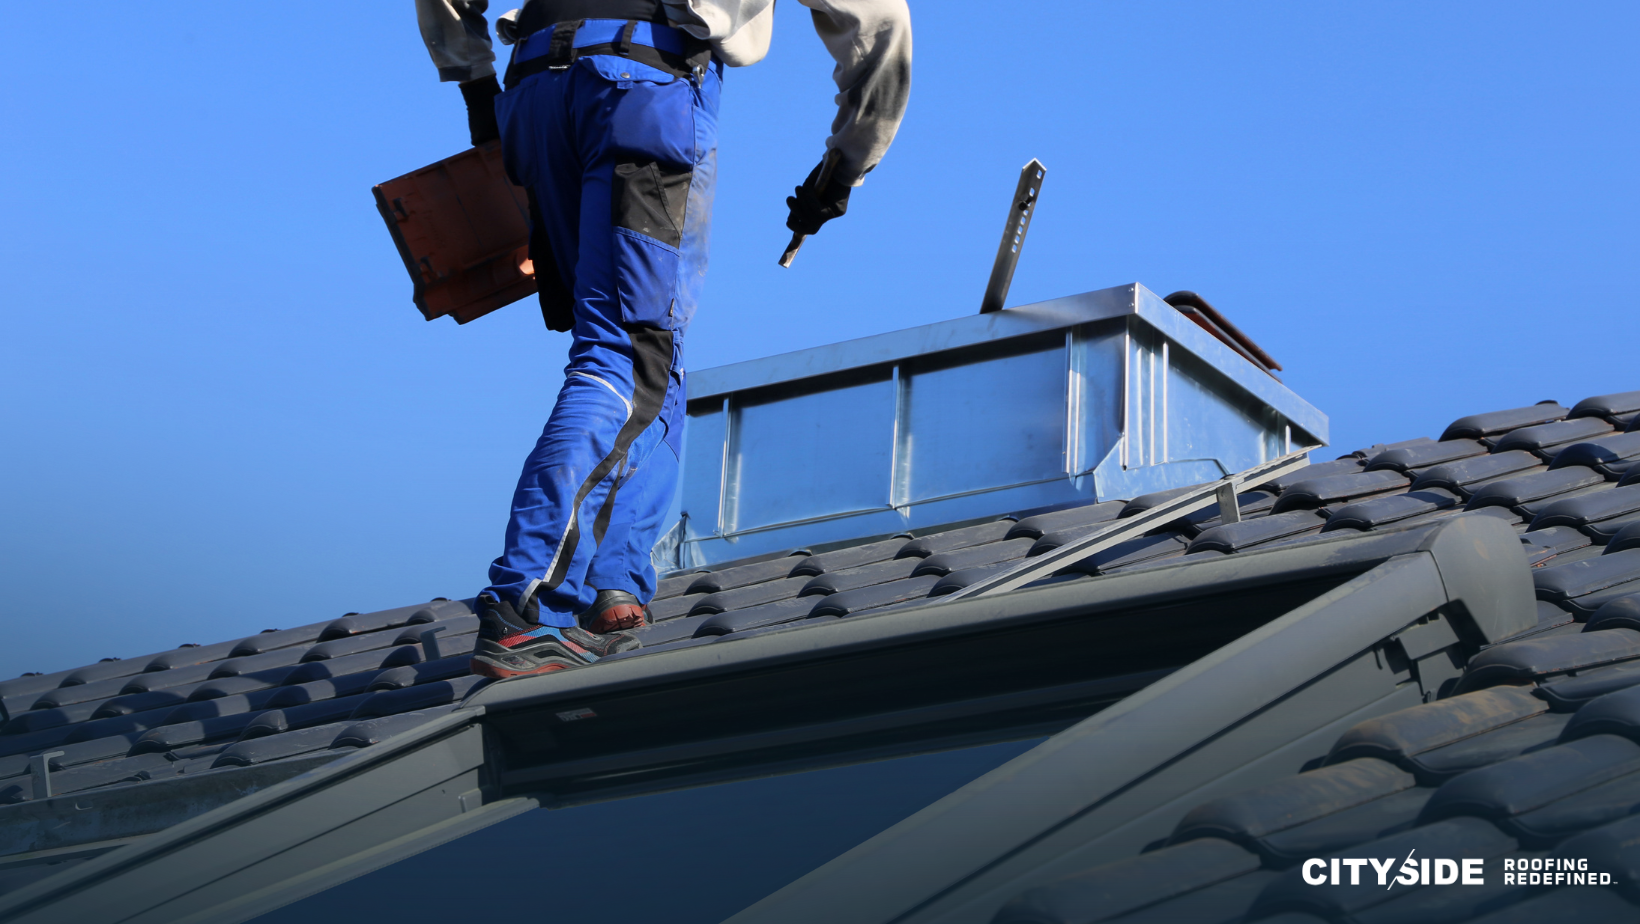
(617, 618)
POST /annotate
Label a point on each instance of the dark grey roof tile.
(245, 683)
(850, 602)
(1535, 658)
(1167, 560)
(1007, 550)
(215, 708)
(141, 702)
(1220, 903)
(1609, 849)
(376, 730)
(1146, 501)
(852, 557)
(323, 712)
(353, 644)
(1615, 713)
(757, 572)
(1556, 539)
(1549, 617)
(190, 654)
(102, 670)
(750, 595)
(1632, 476)
(1348, 465)
(1544, 440)
(1610, 456)
(1625, 539)
(379, 659)
(1585, 509)
(1620, 403)
(1442, 905)
(409, 675)
(1531, 509)
(234, 667)
(444, 629)
(355, 623)
(659, 633)
(1124, 886)
(80, 693)
(1331, 489)
(1628, 422)
(957, 580)
(1362, 455)
(1249, 503)
(1452, 838)
(117, 725)
(756, 617)
(1463, 476)
(950, 539)
(1233, 537)
(1133, 551)
(181, 734)
(1424, 455)
(36, 720)
(264, 642)
(1476, 426)
(1620, 613)
(675, 584)
(672, 607)
(26, 742)
(657, 648)
(1558, 583)
(864, 576)
(1512, 492)
(1406, 733)
(190, 676)
(314, 691)
(1036, 525)
(1569, 694)
(1393, 508)
(422, 696)
(1437, 765)
(248, 752)
(789, 626)
(1570, 903)
(1248, 816)
(1534, 797)
(1368, 821)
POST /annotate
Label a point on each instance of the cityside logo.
(1425, 871)
(1413, 871)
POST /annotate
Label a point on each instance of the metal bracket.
(1229, 507)
(39, 766)
(1048, 563)
(1020, 210)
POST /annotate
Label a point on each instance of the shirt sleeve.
(871, 42)
(457, 37)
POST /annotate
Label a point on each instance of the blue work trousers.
(621, 160)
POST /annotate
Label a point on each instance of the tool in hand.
(817, 183)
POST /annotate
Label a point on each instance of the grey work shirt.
(869, 39)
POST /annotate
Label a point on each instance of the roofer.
(609, 120)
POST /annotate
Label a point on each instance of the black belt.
(683, 56)
(544, 14)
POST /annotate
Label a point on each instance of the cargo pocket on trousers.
(650, 200)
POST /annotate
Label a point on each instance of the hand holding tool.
(816, 202)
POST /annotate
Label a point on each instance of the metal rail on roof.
(1192, 500)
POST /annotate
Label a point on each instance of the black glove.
(480, 97)
(812, 208)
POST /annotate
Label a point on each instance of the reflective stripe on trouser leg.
(562, 488)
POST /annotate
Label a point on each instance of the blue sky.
(223, 414)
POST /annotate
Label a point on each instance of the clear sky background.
(222, 413)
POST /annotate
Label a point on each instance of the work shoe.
(511, 644)
(612, 610)
(600, 645)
